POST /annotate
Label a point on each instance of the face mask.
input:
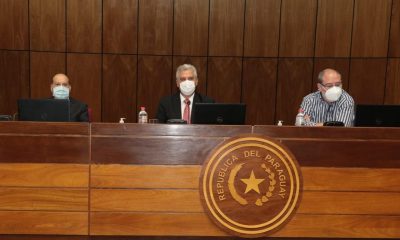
(187, 87)
(333, 94)
(61, 92)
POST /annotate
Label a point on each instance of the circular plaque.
(250, 185)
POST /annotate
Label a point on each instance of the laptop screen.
(377, 116)
(219, 113)
(44, 110)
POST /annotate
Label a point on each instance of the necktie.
(186, 111)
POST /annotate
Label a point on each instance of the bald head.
(329, 73)
(60, 79)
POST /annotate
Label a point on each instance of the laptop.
(43, 110)
(219, 113)
(377, 116)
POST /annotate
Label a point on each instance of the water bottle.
(142, 118)
(300, 121)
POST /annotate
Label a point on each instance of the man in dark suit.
(60, 87)
(179, 105)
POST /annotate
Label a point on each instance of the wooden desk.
(105, 181)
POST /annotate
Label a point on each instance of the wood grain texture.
(294, 82)
(120, 26)
(44, 65)
(86, 85)
(200, 63)
(188, 201)
(394, 48)
(392, 86)
(261, 35)
(108, 129)
(258, 90)
(84, 26)
(14, 79)
(28, 222)
(333, 34)
(71, 128)
(175, 224)
(135, 176)
(14, 25)
(47, 25)
(226, 27)
(43, 199)
(154, 82)
(43, 237)
(155, 27)
(371, 28)
(51, 175)
(191, 27)
(224, 79)
(297, 30)
(342, 65)
(119, 86)
(367, 80)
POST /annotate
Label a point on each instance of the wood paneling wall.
(121, 54)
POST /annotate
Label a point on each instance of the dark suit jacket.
(78, 111)
(170, 106)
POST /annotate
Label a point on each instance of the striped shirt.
(321, 111)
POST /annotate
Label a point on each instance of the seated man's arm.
(307, 107)
(346, 114)
(161, 113)
(84, 115)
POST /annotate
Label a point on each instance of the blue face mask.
(61, 92)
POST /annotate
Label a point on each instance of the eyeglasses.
(329, 85)
(187, 78)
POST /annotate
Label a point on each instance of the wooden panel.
(322, 154)
(26, 222)
(119, 88)
(142, 130)
(84, 71)
(367, 80)
(14, 79)
(47, 25)
(294, 82)
(84, 26)
(120, 26)
(392, 86)
(333, 37)
(154, 81)
(186, 177)
(140, 150)
(188, 201)
(43, 237)
(224, 79)
(17, 128)
(200, 64)
(14, 26)
(134, 176)
(155, 27)
(262, 28)
(191, 27)
(51, 175)
(371, 28)
(297, 34)
(394, 47)
(150, 200)
(44, 149)
(258, 90)
(342, 65)
(197, 224)
(44, 65)
(226, 27)
(34, 199)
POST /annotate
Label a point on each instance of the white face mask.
(187, 87)
(333, 94)
(61, 92)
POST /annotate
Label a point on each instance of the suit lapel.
(176, 106)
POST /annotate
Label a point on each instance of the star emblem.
(252, 183)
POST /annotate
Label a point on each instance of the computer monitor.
(219, 113)
(44, 110)
(377, 116)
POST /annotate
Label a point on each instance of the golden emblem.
(250, 185)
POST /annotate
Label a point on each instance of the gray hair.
(185, 67)
(322, 73)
